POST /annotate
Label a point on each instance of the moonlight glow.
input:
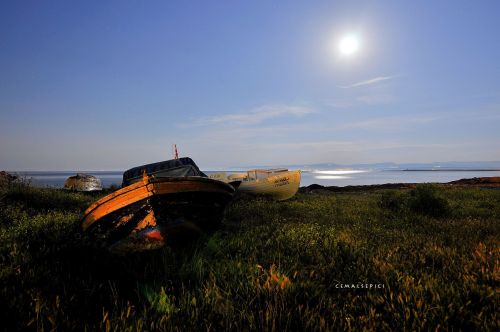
(349, 45)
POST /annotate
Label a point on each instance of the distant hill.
(448, 165)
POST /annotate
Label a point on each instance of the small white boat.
(280, 184)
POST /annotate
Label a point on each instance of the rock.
(83, 182)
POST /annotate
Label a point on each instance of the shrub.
(393, 200)
(427, 200)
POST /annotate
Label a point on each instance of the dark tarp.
(170, 168)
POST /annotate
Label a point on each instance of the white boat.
(280, 184)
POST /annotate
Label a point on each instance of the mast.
(175, 152)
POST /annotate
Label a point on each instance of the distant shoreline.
(341, 178)
(446, 170)
(114, 172)
(481, 182)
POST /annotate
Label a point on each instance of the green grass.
(272, 266)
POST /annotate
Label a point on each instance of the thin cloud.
(368, 82)
(367, 99)
(254, 116)
(300, 146)
(376, 99)
(389, 122)
(358, 146)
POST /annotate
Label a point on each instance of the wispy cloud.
(353, 146)
(252, 117)
(369, 99)
(376, 99)
(318, 145)
(390, 122)
(368, 82)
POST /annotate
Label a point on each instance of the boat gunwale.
(149, 187)
(277, 175)
(138, 184)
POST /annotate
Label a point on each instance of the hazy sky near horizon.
(100, 85)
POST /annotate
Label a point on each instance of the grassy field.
(434, 253)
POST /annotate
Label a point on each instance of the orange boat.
(158, 208)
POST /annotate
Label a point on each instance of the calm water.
(56, 179)
(325, 177)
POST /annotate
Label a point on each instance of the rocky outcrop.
(83, 182)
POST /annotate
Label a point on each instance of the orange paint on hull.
(140, 215)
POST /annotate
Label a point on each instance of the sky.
(109, 85)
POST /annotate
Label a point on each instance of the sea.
(322, 175)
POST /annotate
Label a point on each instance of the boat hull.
(157, 211)
(281, 186)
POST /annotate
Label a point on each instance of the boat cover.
(170, 168)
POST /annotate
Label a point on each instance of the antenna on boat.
(145, 176)
(175, 152)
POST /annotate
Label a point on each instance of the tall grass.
(272, 266)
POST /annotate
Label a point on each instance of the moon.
(349, 45)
